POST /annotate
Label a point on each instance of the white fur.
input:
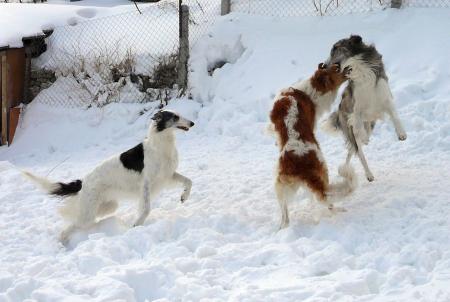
(322, 102)
(373, 99)
(294, 142)
(110, 182)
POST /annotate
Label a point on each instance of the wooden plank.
(4, 105)
(14, 114)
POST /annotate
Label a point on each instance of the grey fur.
(343, 50)
(340, 119)
(353, 46)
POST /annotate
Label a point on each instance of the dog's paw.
(370, 177)
(283, 225)
(64, 240)
(402, 136)
(334, 209)
(138, 222)
(184, 196)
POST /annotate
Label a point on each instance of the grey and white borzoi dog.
(137, 174)
(366, 99)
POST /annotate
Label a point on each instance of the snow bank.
(392, 244)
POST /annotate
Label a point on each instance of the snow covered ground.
(392, 244)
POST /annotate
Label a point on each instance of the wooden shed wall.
(12, 85)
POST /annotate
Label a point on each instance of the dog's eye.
(176, 118)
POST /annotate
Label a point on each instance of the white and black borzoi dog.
(301, 163)
(366, 99)
(138, 174)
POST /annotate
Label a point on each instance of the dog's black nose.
(192, 124)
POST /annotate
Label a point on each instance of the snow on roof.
(18, 20)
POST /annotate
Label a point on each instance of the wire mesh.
(202, 14)
(132, 57)
(292, 8)
(128, 57)
(426, 3)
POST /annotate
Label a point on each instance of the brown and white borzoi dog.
(301, 163)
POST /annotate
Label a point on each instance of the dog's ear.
(157, 116)
(355, 39)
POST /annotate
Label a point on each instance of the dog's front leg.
(187, 184)
(401, 134)
(144, 204)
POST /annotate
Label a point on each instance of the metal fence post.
(396, 3)
(183, 51)
(225, 7)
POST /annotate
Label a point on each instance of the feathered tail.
(331, 125)
(55, 188)
(347, 185)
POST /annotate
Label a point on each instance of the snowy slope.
(392, 244)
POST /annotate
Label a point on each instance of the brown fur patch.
(328, 79)
(279, 111)
(307, 168)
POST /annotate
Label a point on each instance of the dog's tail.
(55, 188)
(347, 185)
(331, 125)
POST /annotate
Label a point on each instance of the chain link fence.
(291, 8)
(426, 3)
(133, 57)
(202, 14)
(130, 57)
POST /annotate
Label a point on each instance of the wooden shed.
(12, 67)
(15, 69)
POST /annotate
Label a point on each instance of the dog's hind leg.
(363, 161)
(285, 193)
(107, 207)
(81, 210)
(65, 234)
(187, 184)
